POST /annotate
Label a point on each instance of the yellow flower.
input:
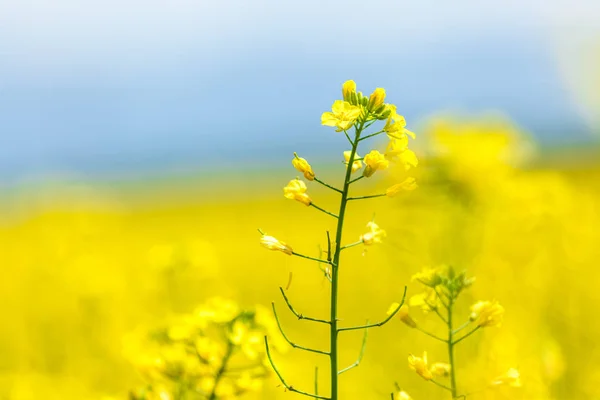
(440, 369)
(374, 161)
(357, 164)
(395, 126)
(430, 276)
(273, 244)
(343, 115)
(403, 396)
(427, 300)
(374, 234)
(420, 366)
(303, 166)
(397, 150)
(296, 190)
(403, 314)
(376, 99)
(487, 313)
(348, 88)
(407, 185)
(512, 377)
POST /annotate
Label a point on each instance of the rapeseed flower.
(419, 365)
(303, 166)
(296, 190)
(407, 185)
(374, 161)
(357, 164)
(273, 244)
(487, 314)
(374, 234)
(342, 115)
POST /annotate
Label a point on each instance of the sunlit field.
(89, 268)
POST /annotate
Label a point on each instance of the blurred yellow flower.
(273, 244)
(405, 316)
(487, 314)
(407, 185)
(348, 88)
(427, 300)
(296, 190)
(303, 166)
(376, 99)
(429, 276)
(374, 161)
(357, 164)
(419, 365)
(512, 377)
(440, 369)
(342, 115)
(374, 234)
(402, 395)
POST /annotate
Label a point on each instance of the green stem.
(335, 266)
(367, 197)
(370, 136)
(310, 258)
(356, 179)
(451, 349)
(430, 334)
(323, 210)
(466, 335)
(327, 185)
(221, 371)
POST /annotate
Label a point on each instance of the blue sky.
(150, 85)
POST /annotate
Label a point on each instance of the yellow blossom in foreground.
(376, 99)
(487, 314)
(342, 115)
(303, 166)
(512, 377)
(395, 126)
(405, 186)
(440, 369)
(403, 314)
(357, 164)
(374, 234)
(296, 190)
(374, 161)
(420, 366)
(273, 244)
(348, 88)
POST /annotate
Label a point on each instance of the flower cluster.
(216, 352)
(443, 285)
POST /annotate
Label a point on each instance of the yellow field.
(84, 266)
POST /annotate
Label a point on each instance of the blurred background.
(142, 144)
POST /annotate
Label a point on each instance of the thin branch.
(348, 137)
(297, 314)
(316, 380)
(351, 245)
(370, 136)
(435, 308)
(294, 345)
(360, 355)
(385, 321)
(460, 328)
(328, 247)
(310, 258)
(367, 197)
(323, 210)
(327, 185)
(441, 385)
(439, 295)
(431, 335)
(356, 180)
(466, 336)
(288, 387)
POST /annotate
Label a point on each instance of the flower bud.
(303, 166)
(271, 243)
(376, 99)
(348, 88)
